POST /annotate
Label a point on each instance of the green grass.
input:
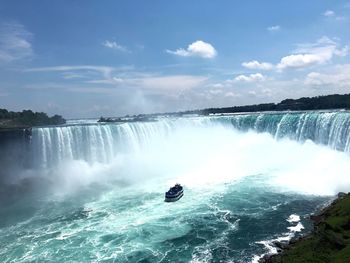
(330, 242)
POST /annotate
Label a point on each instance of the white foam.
(296, 228)
(256, 258)
(293, 218)
(202, 255)
(268, 244)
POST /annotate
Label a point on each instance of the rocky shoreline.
(329, 241)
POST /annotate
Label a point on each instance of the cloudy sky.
(91, 58)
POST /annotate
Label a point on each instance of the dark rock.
(341, 195)
(280, 245)
(294, 240)
(270, 258)
(316, 218)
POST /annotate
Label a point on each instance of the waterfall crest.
(101, 142)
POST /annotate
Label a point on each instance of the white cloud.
(257, 77)
(174, 82)
(14, 42)
(115, 45)
(198, 48)
(71, 75)
(231, 94)
(342, 52)
(125, 77)
(333, 15)
(215, 91)
(329, 13)
(305, 55)
(312, 54)
(89, 73)
(109, 80)
(267, 92)
(303, 60)
(274, 28)
(218, 85)
(257, 65)
(314, 78)
(338, 76)
(102, 70)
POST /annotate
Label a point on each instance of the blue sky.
(111, 58)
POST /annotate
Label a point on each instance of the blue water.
(127, 225)
(100, 197)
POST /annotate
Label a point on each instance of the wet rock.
(270, 259)
(341, 195)
(294, 240)
(280, 245)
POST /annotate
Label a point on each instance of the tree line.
(326, 102)
(28, 118)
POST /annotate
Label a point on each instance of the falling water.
(101, 142)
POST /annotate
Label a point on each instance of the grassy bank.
(330, 240)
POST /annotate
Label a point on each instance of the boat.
(174, 193)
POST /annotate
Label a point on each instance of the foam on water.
(293, 218)
(296, 226)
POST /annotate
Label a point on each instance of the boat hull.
(173, 199)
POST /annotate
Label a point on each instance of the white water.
(206, 156)
(101, 143)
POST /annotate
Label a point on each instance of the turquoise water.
(124, 224)
(100, 197)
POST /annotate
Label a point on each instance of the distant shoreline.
(26, 119)
(327, 102)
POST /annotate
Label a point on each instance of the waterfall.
(326, 128)
(101, 142)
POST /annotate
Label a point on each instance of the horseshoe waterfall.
(94, 192)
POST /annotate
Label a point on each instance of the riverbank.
(26, 119)
(328, 242)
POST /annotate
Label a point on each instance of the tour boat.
(174, 193)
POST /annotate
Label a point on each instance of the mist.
(198, 154)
